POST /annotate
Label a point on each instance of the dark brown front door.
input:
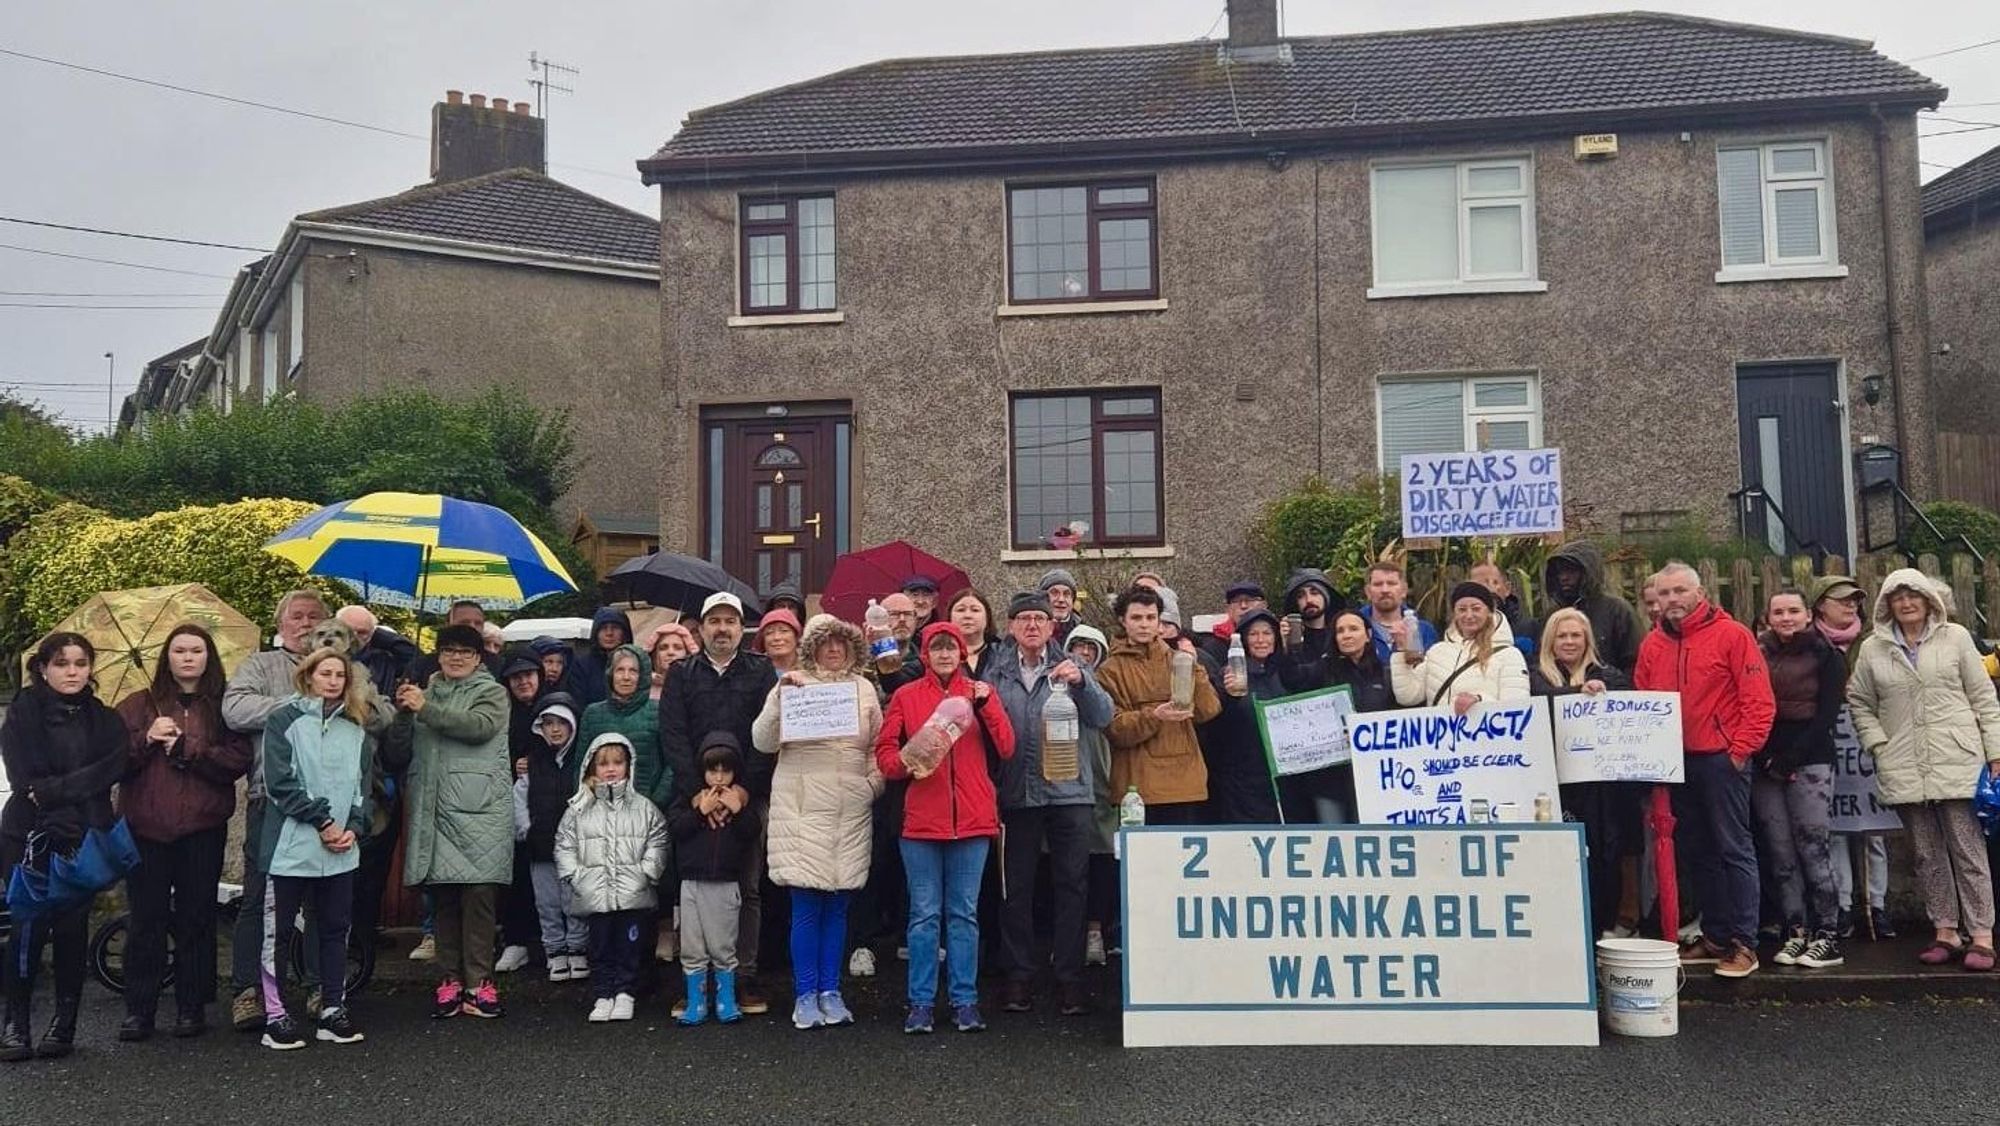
(776, 503)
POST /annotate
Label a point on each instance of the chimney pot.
(522, 108)
(454, 97)
(478, 101)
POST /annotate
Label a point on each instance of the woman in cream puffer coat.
(1924, 707)
(1476, 663)
(822, 793)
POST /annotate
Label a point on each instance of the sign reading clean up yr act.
(1488, 493)
(1426, 766)
(1357, 936)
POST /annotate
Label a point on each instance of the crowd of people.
(650, 802)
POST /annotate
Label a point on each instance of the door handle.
(815, 524)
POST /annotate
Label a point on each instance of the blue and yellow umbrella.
(424, 551)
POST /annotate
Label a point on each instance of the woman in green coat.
(459, 839)
(628, 709)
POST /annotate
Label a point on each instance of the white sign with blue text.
(1484, 493)
(1416, 935)
(1619, 737)
(1426, 766)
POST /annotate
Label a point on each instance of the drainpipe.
(1909, 427)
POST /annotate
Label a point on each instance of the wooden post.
(1743, 598)
(1991, 579)
(1770, 581)
(1962, 592)
(1836, 565)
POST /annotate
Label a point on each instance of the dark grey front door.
(1788, 422)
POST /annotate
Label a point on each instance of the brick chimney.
(1253, 23)
(469, 138)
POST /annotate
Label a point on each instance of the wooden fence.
(1969, 468)
(1742, 586)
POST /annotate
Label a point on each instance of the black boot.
(136, 1028)
(60, 1039)
(15, 1045)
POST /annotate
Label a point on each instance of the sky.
(88, 150)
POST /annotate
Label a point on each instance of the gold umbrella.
(129, 628)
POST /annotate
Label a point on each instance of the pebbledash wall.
(1963, 279)
(1268, 349)
(457, 327)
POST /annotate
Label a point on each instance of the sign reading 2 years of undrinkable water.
(1405, 935)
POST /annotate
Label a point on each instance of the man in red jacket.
(1714, 662)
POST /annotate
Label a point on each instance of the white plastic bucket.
(1640, 982)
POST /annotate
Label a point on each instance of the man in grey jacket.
(1052, 802)
(263, 682)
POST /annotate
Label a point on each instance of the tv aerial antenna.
(551, 77)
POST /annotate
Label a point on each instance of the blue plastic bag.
(1986, 801)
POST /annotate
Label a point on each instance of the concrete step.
(1875, 971)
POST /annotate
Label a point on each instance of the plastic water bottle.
(882, 647)
(927, 748)
(1183, 682)
(1059, 735)
(1131, 815)
(1239, 666)
(1413, 633)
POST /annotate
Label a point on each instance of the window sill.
(1070, 308)
(1777, 273)
(1087, 554)
(780, 320)
(1456, 289)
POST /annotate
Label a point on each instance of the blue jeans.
(819, 938)
(944, 879)
(1713, 814)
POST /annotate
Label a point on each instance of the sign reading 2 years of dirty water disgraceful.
(1485, 493)
(1382, 935)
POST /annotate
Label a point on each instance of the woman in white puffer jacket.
(822, 794)
(1476, 663)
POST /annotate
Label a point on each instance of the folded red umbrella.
(878, 572)
(1665, 872)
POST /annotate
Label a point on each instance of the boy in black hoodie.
(542, 792)
(711, 839)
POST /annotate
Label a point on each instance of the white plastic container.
(1639, 983)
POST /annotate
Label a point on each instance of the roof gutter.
(493, 252)
(712, 170)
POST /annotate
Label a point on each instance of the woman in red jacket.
(937, 732)
(182, 765)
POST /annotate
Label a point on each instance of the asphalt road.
(543, 1063)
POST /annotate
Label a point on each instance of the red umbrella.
(877, 572)
(1665, 872)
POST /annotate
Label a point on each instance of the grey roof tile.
(515, 208)
(1602, 66)
(1975, 181)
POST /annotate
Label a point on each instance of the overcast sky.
(95, 151)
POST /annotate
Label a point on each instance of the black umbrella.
(679, 582)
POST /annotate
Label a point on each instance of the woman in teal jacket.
(317, 761)
(628, 709)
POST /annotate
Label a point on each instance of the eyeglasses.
(455, 651)
(1032, 619)
(903, 614)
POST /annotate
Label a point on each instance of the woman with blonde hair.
(1925, 709)
(316, 762)
(1566, 663)
(1475, 664)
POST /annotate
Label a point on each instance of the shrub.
(1954, 519)
(1317, 525)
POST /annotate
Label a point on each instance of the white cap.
(722, 598)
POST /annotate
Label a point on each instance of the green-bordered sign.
(1306, 732)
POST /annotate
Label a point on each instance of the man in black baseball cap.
(923, 590)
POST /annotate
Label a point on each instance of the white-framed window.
(295, 336)
(1776, 207)
(1431, 414)
(1454, 226)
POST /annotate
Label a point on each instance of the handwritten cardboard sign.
(1619, 737)
(818, 711)
(1426, 766)
(1486, 493)
(1306, 732)
(1357, 935)
(1857, 803)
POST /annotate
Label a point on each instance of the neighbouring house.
(489, 275)
(1119, 297)
(1962, 286)
(168, 386)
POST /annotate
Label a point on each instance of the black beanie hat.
(1470, 589)
(461, 636)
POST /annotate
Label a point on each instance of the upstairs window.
(1776, 202)
(1082, 242)
(1429, 415)
(787, 255)
(1086, 469)
(1459, 224)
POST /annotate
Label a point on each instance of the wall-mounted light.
(777, 410)
(1871, 389)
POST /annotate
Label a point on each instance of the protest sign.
(1486, 493)
(818, 711)
(1618, 737)
(1426, 766)
(1305, 732)
(1857, 804)
(1412, 935)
